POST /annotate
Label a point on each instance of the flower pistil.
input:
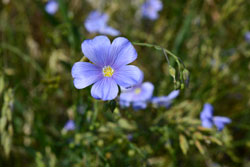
(107, 71)
(137, 90)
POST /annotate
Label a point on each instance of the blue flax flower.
(109, 67)
(165, 101)
(247, 36)
(151, 8)
(208, 120)
(138, 95)
(70, 125)
(96, 22)
(130, 137)
(51, 7)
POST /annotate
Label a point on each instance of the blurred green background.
(37, 96)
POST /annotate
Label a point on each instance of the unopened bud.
(131, 153)
(182, 86)
(100, 143)
(186, 76)
(119, 141)
(177, 85)
(171, 71)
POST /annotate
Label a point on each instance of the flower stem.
(165, 51)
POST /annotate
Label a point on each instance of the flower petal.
(85, 74)
(70, 125)
(109, 31)
(126, 96)
(127, 76)
(207, 111)
(122, 52)
(207, 123)
(139, 105)
(124, 104)
(96, 50)
(156, 4)
(105, 89)
(95, 21)
(51, 7)
(145, 94)
(141, 78)
(150, 9)
(148, 89)
(152, 15)
(222, 119)
(220, 122)
(173, 94)
(161, 101)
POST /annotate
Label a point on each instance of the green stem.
(160, 49)
(23, 56)
(179, 64)
(95, 112)
(73, 35)
(156, 47)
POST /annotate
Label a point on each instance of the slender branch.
(157, 48)
(166, 55)
(177, 59)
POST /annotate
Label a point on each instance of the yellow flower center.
(137, 90)
(107, 71)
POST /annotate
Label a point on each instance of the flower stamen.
(107, 71)
(137, 90)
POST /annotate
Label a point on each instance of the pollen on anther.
(137, 90)
(107, 71)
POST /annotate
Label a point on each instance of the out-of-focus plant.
(6, 127)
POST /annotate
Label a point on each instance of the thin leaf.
(183, 144)
(199, 146)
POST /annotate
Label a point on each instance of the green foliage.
(183, 144)
(6, 128)
(196, 46)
